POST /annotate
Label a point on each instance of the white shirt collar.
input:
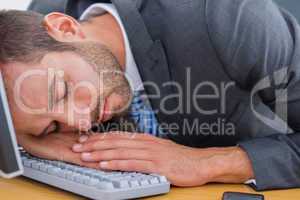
(132, 73)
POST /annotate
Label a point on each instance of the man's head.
(55, 76)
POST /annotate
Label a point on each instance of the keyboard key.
(85, 179)
(61, 173)
(154, 180)
(109, 176)
(28, 163)
(54, 163)
(118, 177)
(163, 179)
(115, 174)
(69, 175)
(92, 182)
(73, 168)
(105, 185)
(144, 182)
(101, 176)
(44, 167)
(120, 183)
(134, 183)
(78, 179)
(97, 173)
(53, 170)
(36, 165)
(88, 172)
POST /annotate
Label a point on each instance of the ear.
(63, 27)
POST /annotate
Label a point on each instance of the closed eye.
(61, 91)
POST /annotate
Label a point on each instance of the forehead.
(34, 79)
(25, 80)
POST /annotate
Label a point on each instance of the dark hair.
(24, 38)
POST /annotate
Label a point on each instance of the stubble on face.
(111, 78)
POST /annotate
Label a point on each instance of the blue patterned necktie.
(143, 115)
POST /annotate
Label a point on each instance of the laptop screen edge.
(11, 132)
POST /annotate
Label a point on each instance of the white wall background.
(14, 4)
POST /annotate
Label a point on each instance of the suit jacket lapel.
(149, 56)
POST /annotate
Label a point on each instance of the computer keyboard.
(93, 183)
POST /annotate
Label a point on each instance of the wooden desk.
(25, 189)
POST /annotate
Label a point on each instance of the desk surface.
(12, 189)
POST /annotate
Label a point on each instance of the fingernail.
(86, 156)
(77, 147)
(83, 138)
(104, 164)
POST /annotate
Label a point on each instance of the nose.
(78, 110)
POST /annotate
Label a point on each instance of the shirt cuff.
(251, 181)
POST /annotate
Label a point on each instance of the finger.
(75, 158)
(111, 144)
(93, 165)
(116, 154)
(119, 135)
(128, 166)
(83, 138)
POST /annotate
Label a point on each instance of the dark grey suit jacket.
(248, 43)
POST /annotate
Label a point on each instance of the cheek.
(84, 97)
(29, 124)
(24, 92)
(84, 88)
(21, 119)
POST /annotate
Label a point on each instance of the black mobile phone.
(241, 196)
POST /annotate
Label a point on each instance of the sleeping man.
(210, 87)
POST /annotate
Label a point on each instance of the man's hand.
(183, 166)
(55, 146)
